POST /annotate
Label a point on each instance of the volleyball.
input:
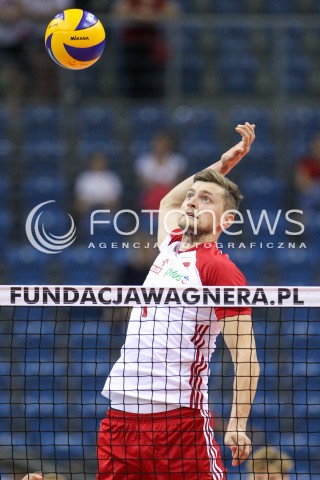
(75, 39)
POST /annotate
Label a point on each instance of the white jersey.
(164, 362)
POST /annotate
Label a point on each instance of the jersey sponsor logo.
(176, 275)
(155, 269)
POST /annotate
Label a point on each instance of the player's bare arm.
(239, 338)
(170, 205)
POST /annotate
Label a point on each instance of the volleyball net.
(59, 343)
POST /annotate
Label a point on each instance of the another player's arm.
(171, 203)
(33, 476)
(239, 338)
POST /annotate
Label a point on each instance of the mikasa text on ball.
(75, 39)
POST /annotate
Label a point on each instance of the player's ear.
(227, 219)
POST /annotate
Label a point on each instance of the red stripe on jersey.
(198, 330)
(199, 395)
(197, 367)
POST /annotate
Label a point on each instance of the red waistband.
(176, 413)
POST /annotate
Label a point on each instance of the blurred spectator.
(268, 463)
(308, 177)
(45, 9)
(97, 187)
(14, 33)
(158, 170)
(44, 72)
(143, 45)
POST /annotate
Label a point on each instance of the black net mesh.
(54, 362)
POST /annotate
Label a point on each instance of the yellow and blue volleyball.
(75, 39)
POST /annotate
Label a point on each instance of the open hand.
(240, 446)
(233, 156)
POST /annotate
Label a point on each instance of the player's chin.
(182, 223)
(188, 226)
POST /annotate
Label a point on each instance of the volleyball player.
(269, 463)
(33, 476)
(159, 425)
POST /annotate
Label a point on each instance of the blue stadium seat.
(104, 232)
(4, 122)
(295, 277)
(81, 266)
(301, 124)
(6, 224)
(146, 121)
(41, 188)
(5, 188)
(227, 6)
(262, 117)
(232, 39)
(200, 153)
(7, 157)
(27, 266)
(237, 73)
(295, 38)
(186, 5)
(296, 266)
(263, 192)
(280, 6)
(43, 157)
(302, 118)
(296, 80)
(138, 147)
(190, 39)
(196, 123)
(111, 148)
(96, 123)
(297, 258)
(191, 74)
(251, 262)
(42, 122)
(263, 158)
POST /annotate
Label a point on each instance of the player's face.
(204, 207)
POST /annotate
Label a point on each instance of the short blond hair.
(269, 460)
(232, 193)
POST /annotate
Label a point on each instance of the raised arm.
(171, 203)
(238, 336)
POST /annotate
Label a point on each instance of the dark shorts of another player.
(174, 445)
